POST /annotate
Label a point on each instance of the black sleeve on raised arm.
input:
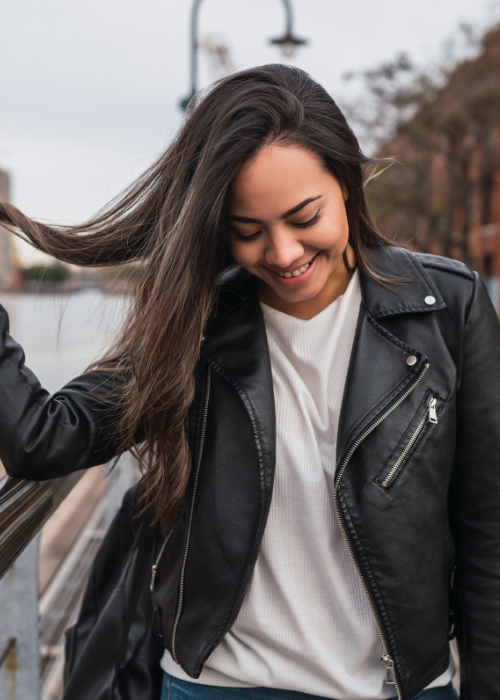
(43, 436)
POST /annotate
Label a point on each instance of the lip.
(295, 281)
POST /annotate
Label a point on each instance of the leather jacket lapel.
(378, 373)
(399, 285)
(380, 369)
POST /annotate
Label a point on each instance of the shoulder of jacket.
(437, 262)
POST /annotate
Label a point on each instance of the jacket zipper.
(386, 659)
(154, 568)
(429, 416)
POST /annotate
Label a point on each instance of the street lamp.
(288, 43)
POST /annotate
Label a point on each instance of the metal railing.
(25, 506)
(32, 628)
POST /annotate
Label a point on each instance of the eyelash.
(305, 224)
(312, 221)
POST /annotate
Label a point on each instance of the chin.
(298, 295)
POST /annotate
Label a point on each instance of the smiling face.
(287, 225)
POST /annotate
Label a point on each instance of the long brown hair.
(172, 220)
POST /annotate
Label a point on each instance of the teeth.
(295, 273)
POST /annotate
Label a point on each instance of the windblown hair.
(172, 219)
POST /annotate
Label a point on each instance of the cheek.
(332, 233)
(245, 254)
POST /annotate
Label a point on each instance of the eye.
(251, 237)
(306, 224)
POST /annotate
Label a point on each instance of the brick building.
(444, 195)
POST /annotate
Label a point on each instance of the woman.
(316, 413)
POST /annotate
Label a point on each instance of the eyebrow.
(293, 210)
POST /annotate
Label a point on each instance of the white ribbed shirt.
(305, 623)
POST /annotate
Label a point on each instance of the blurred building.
(5, 246)
(486, 232)
(444, 196)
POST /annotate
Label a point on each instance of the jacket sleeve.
(44, 436)
(475, 503)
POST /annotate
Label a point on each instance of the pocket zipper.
(429, 416)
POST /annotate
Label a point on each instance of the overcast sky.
(89, 91)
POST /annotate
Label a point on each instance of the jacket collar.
(408, 284)
(405, 287)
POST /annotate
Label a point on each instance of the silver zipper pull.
(153, 577)
(433, 418)
(390, 677)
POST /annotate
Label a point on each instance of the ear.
(345, 193)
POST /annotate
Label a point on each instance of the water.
(61, 335)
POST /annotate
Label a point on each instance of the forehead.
(275, 180)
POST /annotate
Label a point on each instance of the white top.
(305, 623)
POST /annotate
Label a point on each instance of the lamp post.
(288, 43)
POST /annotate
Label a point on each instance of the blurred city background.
(92, 92)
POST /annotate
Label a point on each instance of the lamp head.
(288, 43)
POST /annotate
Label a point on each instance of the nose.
(283, 249)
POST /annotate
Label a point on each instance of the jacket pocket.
(424, 420)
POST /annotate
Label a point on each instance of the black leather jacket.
(417, 480)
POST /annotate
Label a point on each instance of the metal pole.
(19, 629)
(289, 16)
(194, 43)
(194, 46)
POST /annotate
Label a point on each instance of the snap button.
(411, 360)
(430, 300)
